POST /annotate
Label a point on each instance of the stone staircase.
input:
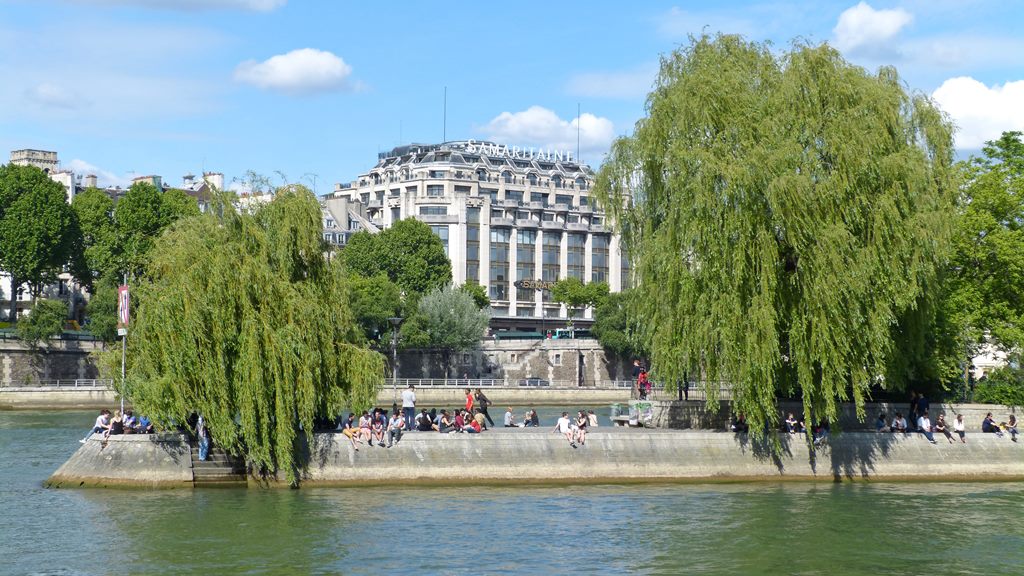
(219, 469)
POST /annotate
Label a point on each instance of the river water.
(753, 528)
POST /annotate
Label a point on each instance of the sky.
(310, 91)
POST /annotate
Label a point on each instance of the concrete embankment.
(57, 398)
(517, 456)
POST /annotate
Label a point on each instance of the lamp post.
(396, 321)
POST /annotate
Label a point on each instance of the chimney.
(188, 180)
(214, 179)
(90, 181)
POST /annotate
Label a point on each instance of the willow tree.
(243, 318)
(781, 211)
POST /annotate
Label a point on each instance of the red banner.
(122, 306)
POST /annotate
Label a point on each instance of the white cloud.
(49, 95)
(863, 30)
(538, 126)
(302, 71)
(624, 84)
(103, 177)
(981, 112)
(193, 5)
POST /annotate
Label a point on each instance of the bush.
(1003, 386)
(46, 320)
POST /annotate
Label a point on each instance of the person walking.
(409, 406)
(482, 403)
(469, 400)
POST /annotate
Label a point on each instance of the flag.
(122, 306)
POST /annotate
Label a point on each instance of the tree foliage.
(615, 329)
(452, 319)
(578, 296)
(242, 317)
(95, 212)
(373, 301)
(46, 320)
(984, 284)
(781, 212)
(408, 252)
(478, 292)
(1003, 385)
(39, 233)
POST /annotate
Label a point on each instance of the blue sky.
(313, 89)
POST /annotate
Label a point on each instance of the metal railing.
(63, 383)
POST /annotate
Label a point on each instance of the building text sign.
(517, 152)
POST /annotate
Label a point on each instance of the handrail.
(63, 383)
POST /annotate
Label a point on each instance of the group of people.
(117, 423)
(575, 429)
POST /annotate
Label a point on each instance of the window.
(557, 360)
(557, 181)
(627, 272)
(433, 210)
(550, 265)
(364, 197)
(507, 177)
(516, 195)
(521, 215)
(563, 199)
(472, 215)
(526, 246)
(499, 263)
(599, 258)
(584, 201)
(411, 190)
(573, 218)
(481, 175)
(441, 231)
(548, 217)
(497, 213)
(532, 179)
(394, 192)
(576, 256)
(473, 245)
(436, 174)
(463, 189)
(491, 193)
(396, 214)
(581, 183)
(435, 190)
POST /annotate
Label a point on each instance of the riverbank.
(518, 456)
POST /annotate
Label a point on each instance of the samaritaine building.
(512, 219)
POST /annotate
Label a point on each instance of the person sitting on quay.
(423, 421)
(145, 425)
(564, 427)
(459, 423)
(881, 425)
(1011, 427)
(899, 424)
(941, 426)
(380, 424)
(350, 429)
(958, 427)
(444, 423)
(101, 424)
(989, 426)
(791, 423)
(129, 422)
(591, 419)
(821, 433)
(924, 426)
(366, 428)
(739, 424)
(510, 419)
(581, 427)
(116, 425)
(395, 426)
(472, 425)
(480, 419)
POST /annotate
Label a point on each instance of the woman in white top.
(958, 427)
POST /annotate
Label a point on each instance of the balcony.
(536, 205)
(502, 222)
(586, 209)
(562, 207)
(510, 203)
(598, 229)
(577, 226)
(375, 204)
(527, 223)
(552, 225)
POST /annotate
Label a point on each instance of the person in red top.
(472, 424)
(644, 385)
(469, 400)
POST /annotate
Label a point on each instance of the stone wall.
(580, 362)
(52, 360)
(518, 456)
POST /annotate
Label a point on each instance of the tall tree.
(408, 252)
(39, 233)
(373, 301)
(578, 296)
(614, 328)
(781, 211)
(452, 320)
(140, 218)
(95, 212)
(243, 318)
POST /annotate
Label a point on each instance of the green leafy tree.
(39, 232)
(45, 321)
(984, 283)
(578, 296)
(95, 212)
(140, 218)
(1003, 385)
(243, 318)
(452, 320)
(373, 301)
(478, 292)
(176, 204)
(408, 252)
(781, 209)
(101, 310)
(614, 328)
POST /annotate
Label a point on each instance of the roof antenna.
(444, 130)
(578, 161)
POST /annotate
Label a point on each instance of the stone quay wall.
(52, 360)
(517, 456)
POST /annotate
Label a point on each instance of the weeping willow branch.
(243, 318)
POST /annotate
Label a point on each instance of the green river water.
(755, 528)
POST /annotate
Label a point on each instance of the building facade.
(512, 219)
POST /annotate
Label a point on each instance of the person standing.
(204, 438)
(409, 406)
(469, 400)
(482, 402)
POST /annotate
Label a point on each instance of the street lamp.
(396, 321)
